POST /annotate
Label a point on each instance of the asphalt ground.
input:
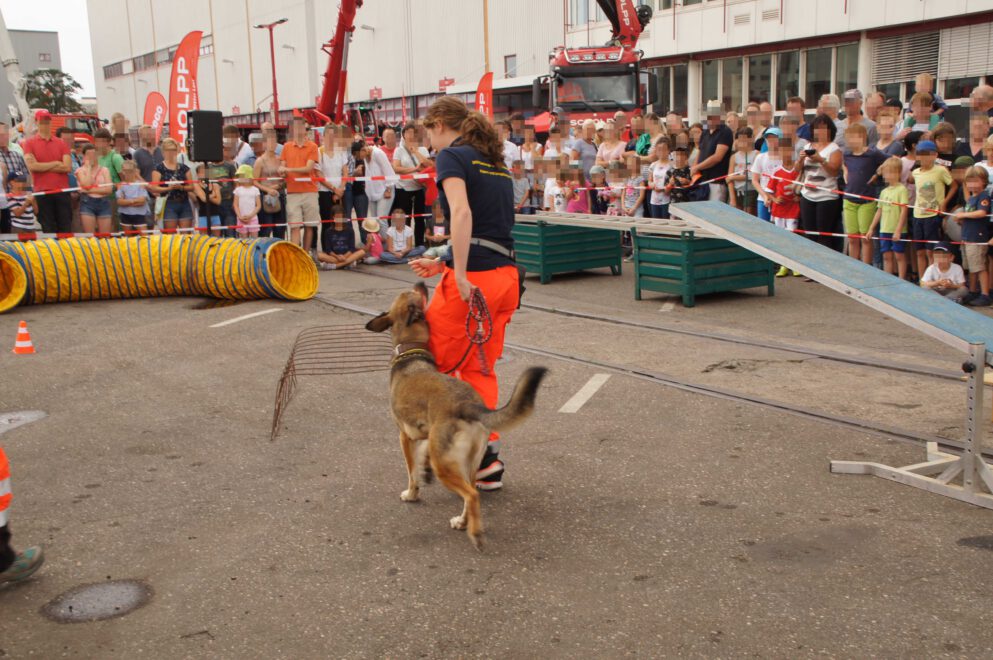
(651, 522)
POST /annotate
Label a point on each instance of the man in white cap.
(853, 115)
(714, 158)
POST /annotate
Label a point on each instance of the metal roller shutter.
(900, 58)
(966, 51)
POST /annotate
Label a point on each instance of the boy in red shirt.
(785, 200)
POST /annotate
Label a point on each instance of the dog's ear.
(380, 323)
(415, 313)
(422, 291)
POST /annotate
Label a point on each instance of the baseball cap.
(597, 169)
(963, 162)
(600, 124)
(255, 137)
(557, 110)
(680, 148)
(714, 109)
(853, 95)
(941, 247)
(245, 172)
(927, 146)
(42, 115)
(773, 131)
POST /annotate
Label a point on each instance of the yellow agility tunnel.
(75, 269)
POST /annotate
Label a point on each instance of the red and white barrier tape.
(38, 235)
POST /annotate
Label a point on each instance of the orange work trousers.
(5, 495)
(446, 315)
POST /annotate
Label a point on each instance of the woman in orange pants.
(13, 566)
(477, 196)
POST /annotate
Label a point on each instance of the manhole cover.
(95, 602)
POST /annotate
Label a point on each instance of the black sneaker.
(490, 473)
(968, 298)
(978, 301)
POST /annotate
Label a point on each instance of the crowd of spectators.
(885, 182)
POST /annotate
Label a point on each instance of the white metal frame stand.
(967, 477)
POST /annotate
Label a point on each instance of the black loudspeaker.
(204, 142)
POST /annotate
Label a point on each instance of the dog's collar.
(406, 346)
(411, 350)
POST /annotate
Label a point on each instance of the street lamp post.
(272, 57)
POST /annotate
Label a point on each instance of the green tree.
(52, 90)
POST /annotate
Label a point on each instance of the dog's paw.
(458, 522)
(409, 495)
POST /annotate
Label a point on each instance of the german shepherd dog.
(444, 425)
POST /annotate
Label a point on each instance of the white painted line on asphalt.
(585, 393)
(668, 307)
(11, 420)
(246, 317)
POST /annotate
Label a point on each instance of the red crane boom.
(331, 103)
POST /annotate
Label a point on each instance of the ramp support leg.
(941, 472)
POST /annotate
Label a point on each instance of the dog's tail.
(521, 403)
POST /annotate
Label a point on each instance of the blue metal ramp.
(965, 477)
(918, 308)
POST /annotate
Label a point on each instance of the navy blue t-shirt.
(341, 242)
(490, 189)
(861, 169)
(709, 142)
(977, 230)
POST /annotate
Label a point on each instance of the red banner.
(484, 95)
(155, 113)
(183, 85)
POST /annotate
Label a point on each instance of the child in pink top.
(373, 241)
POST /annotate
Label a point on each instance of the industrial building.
(405, 53)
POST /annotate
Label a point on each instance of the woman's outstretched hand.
(427, 267)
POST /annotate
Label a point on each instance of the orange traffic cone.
(23, 345)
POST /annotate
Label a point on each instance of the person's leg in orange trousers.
(446, 316)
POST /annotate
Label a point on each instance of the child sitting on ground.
(975, 221)
(373, 241)
(247, 203)
(784, 203)
(22, 205)
(891, 218)
(944, 276)
(341, 243)
(438, 234)
(400, 241)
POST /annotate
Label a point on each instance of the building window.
(679, 88)
(579, 12)
(960, 88)
(759, 77)
(731, 84)
(113, 70)
(847, 68)
(44, 57)
(787, 77)
(818, 75)
(509, 66)
(711, 71)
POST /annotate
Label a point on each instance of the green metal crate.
(547, 250)
(688, 266)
